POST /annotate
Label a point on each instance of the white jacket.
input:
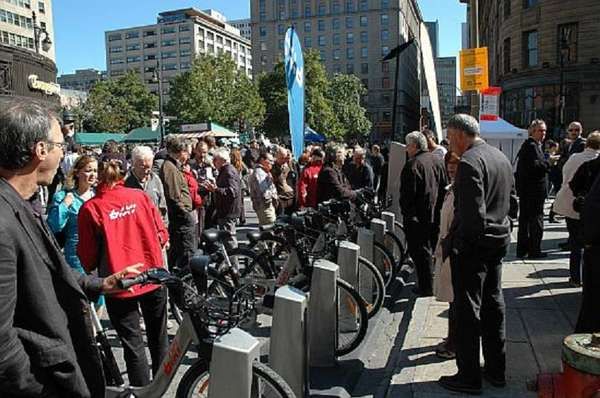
(442, 279)
(563, 204)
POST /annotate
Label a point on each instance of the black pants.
(183, 240)
(125, 317)
(480, 312)
(531, 225)
(576, 240)
(589, 314)
(419, 239)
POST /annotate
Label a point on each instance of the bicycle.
(204, 319)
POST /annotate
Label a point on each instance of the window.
(149, 57)
(349, 23)
(384, 19)
(41, 7)
(113, 50)
(530, 49)
(132, 35)
(263, 31)
(335, 24)
(263, 46)
(184, 28)
(168, 29)
(219, 39)
(365, 82)
(167, 43)
(114, 37)
(386, 116)
(185, 65)
(185, 40)
(322, 9)
(349, 38)
(169, 67)
(349, 68)
(150, 45)
(322, 55)
(349, 5)
(385, 4)
(280, 44)
(567, 43)
(506, 59)
(134, 59)
(363, 5)
(133, 47)
(364, 68)
(385, 35)
(321, 41)
(307, 27)
(364, 37)
(168, 54)
(321, 25)
(149, 33)
(336, 54)
(350, 53)
(385, 67)
(117, 61)
(280, 29)
(185, 53)
(307, 11)
(337, 68)
(363, 20)
(335, 7)
(210, 36)
(529, 3)
(384, 51)
(364, 52)
(308, 42)
(336, 39)
(507, 8)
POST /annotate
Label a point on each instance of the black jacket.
(422, 186)
(360, 177)
(577, 146)
(227, 203)
(532, 170)
(483, 200)
(46, 338)
(333, 184)
(591, 209)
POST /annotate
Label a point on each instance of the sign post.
(490, 103)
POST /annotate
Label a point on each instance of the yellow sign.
(474, 70)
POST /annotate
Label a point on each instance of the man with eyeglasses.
(574, 133)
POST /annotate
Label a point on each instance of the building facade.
(244, 26)
(540, 49)
(81, 80)
(445, 72)
(173, 42)
(433, 28)
(352, 36)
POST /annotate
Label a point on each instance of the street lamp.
(564, 52)
(37, 32)
(157, 78)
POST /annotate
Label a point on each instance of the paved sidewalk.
(541, 310)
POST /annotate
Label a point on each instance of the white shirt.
(564, 198)
(440, 151)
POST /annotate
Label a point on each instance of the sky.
(80, 25)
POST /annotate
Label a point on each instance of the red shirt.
(193, 186)
(120, 227)
(307, 185)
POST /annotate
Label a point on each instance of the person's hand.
(68, 200)
(167, 245)
(110, 285)
(209, 186)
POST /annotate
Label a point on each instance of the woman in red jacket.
(121, 226)
(307, 185)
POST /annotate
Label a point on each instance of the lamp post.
(564, 51)
(157, 78)
(37, 32)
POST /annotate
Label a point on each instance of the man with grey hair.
(359, 172)
(433, 146)
(476, 244)
(422, 185)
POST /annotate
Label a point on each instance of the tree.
(273, 91)
(119, 105)
(215, 90)
(345, 93)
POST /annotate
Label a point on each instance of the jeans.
(576, 240)
(480, 312)
(531, 225)
(125, 316)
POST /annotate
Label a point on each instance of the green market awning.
(96, 139)
(142, 134)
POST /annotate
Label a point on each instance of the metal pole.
(561, 108)
(475, 44)
(160, 104)
(36, 32)
(395, 104)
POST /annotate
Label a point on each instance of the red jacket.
(307, 185)
(190, 178)
(120, 227)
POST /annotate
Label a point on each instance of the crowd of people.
(93, 218)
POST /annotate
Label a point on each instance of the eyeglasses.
(574, 130)
(61, 145)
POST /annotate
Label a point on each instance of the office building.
(173, 42)
(244, 26)
(540, 49)
(445, 72)
(81, 80)
(433, 28)
(464, 28)
(352, 36)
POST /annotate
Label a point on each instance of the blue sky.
(79, 25)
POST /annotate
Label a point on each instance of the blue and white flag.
(294, 76)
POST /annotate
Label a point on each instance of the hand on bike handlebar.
(110, 285)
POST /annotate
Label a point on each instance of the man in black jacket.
(47, 345)
(477, 242)
(532, 185)
(574, 133)
(359, 172)
(422, 185)
(332, 183)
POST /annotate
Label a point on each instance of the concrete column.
(347, 260)
(378, 228)
(232, 357)
(288, 354)
(365, 241)
(322, 314)
(389, 219)
(397, 159)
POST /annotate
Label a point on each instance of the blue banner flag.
(294, 76)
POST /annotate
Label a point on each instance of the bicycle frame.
(186, 335)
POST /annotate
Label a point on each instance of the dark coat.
(577, 146)
(227, 202)
(591, 209)
(46, 338)
(484, 199)
(333, 184)
(422, 188)
(360, 177)
(532, 170)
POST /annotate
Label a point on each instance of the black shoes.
(454, 383)
(498, 382)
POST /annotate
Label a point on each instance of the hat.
(68, 117)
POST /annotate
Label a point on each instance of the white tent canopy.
(504, 136)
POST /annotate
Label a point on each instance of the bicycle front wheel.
(352, 318)
(265, 382)
(370, 286)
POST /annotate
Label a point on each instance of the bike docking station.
(231, 365)
(288, 351)
(322, 314)
(390, 219)
(365, 240)
(347, 260)
(378, 227)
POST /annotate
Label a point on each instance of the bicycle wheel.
(176, 311)
(352, 318)
(370, 286)
(401, 234)
(393, 243)
(384, 261)
(275, 249)
(265, 382)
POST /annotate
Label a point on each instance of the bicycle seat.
(253, 236)
(215, 235)
(294, 221)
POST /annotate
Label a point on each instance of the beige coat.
(563, 204)
(442, 280)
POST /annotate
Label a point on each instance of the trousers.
(576, 240)
(420, 247)
(531, 225)
(183, 241)
(480, 312)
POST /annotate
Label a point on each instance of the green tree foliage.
(215, 90)
(118, 105)
(345, 93)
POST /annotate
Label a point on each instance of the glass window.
(280, 44)
(321, 25)
(133, 47)
(281, 29)
(132, 35)
(530, 3)
(567, 43)
(307, 27)
(336, 54)
(385, 35)
(113, 50)
(364, 37)
(149, 33)
(350, 53)
(185, 65)
(263, 31)
(263, 46)
(337, 68)
(385, 50)
(307, 11)
(506, 51)
(336, 39)
(185, 53)
(117, 61)
(530, 47)
(349, 5)
(385, 4)
(308, 42)
(321, 41)
(114, 37)
(364, 52)
(349, 68)
(322, 54)
(335, 7)
(349, 38)
(349, 23)
(41, 7)
(169, 67)
(168, 29)
(335, 24)
(506, 4)
(363, 5)
(167, 43)
(384, 19)
(184, 28)
(149, 57)
(322, 9)
(365, 82)
(363, 20)
(133, 59)
(150, 45)
(386, 116)
(185, 40)
(364, 68)
(168, 54)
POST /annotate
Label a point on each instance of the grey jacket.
(154, 189)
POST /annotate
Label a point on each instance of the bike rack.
(322, 314)
(288, 353)
(365, 241)
(231, 364)
(390, 219)
(378, 228)
(347, 260)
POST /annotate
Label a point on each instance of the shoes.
(495, 381)
(537, 256)
(454, 383)
(444, 353)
